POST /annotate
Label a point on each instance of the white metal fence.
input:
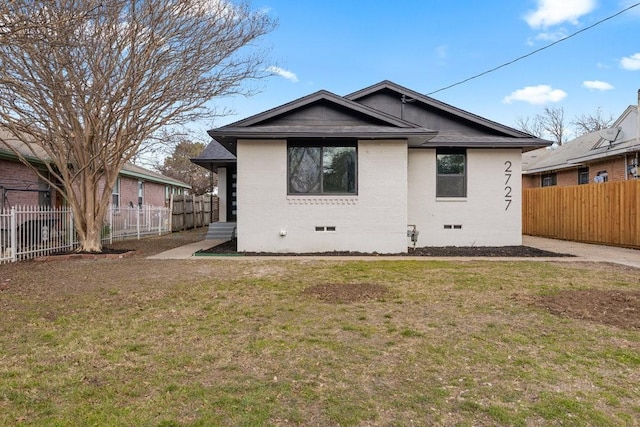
(32, 231)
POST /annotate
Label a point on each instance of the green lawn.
(239, 342)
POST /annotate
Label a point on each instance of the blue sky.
(345, 45)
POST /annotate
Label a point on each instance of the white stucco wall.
(374, 220)
(482, 215)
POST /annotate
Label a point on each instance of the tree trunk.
(92, 241)
(89, 208)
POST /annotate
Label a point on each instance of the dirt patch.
(346, 292)
(615, 308)
(230, 248)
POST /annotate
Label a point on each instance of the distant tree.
(587, 123)
(531, 125)
(550, 124)
(554, 124)
(179, 166)
(84, 83)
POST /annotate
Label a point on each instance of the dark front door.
(232, 204)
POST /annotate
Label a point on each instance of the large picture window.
(451, 179)
(326, 169)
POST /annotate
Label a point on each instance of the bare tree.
(84, 83)
(550, 124)
(587, 123)
(532, 125)
(554, 124)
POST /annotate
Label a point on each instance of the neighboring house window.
(583, 176)
(115, 194)
(44, 194)
(140, 193)
(549, 180)
(451, 175)
(322, 169)
(601, 176)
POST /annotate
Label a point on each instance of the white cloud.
(540, 94)
(552, 36)
(631, 63)
(554, 12)
(597, 85)
(283, 73)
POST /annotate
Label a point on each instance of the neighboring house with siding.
(20, 185)
(602, 156)
(363, 171)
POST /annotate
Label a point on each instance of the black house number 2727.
(507, 188)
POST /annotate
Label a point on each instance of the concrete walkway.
(586, 251)
(186, 251)
(582, 252)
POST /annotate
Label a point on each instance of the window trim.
(464, 175)
(293, 143)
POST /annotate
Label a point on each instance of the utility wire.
(535, 51)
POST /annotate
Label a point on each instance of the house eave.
(151, 178)
(605, 154)
(230, 139)
(553, 168)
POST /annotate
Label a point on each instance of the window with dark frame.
(583, 176)
(451, 172)
(549, 180)
(322, 168)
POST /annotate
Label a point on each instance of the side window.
(583, 176)
(321, 169)
(140, 193)
(549, 180)
(451, 173)
(115, 194)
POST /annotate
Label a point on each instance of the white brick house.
(355, 173)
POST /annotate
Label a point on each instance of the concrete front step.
(221, 231)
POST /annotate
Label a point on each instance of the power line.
(535, 51)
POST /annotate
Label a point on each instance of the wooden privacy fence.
(607, 213)
(189, 211)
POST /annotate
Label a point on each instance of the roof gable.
(429, 112)
(321, 115)
(626, 126)
(303, 109)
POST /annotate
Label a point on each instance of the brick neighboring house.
(19, 185)
(601, 156)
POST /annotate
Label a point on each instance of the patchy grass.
(244, 342)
